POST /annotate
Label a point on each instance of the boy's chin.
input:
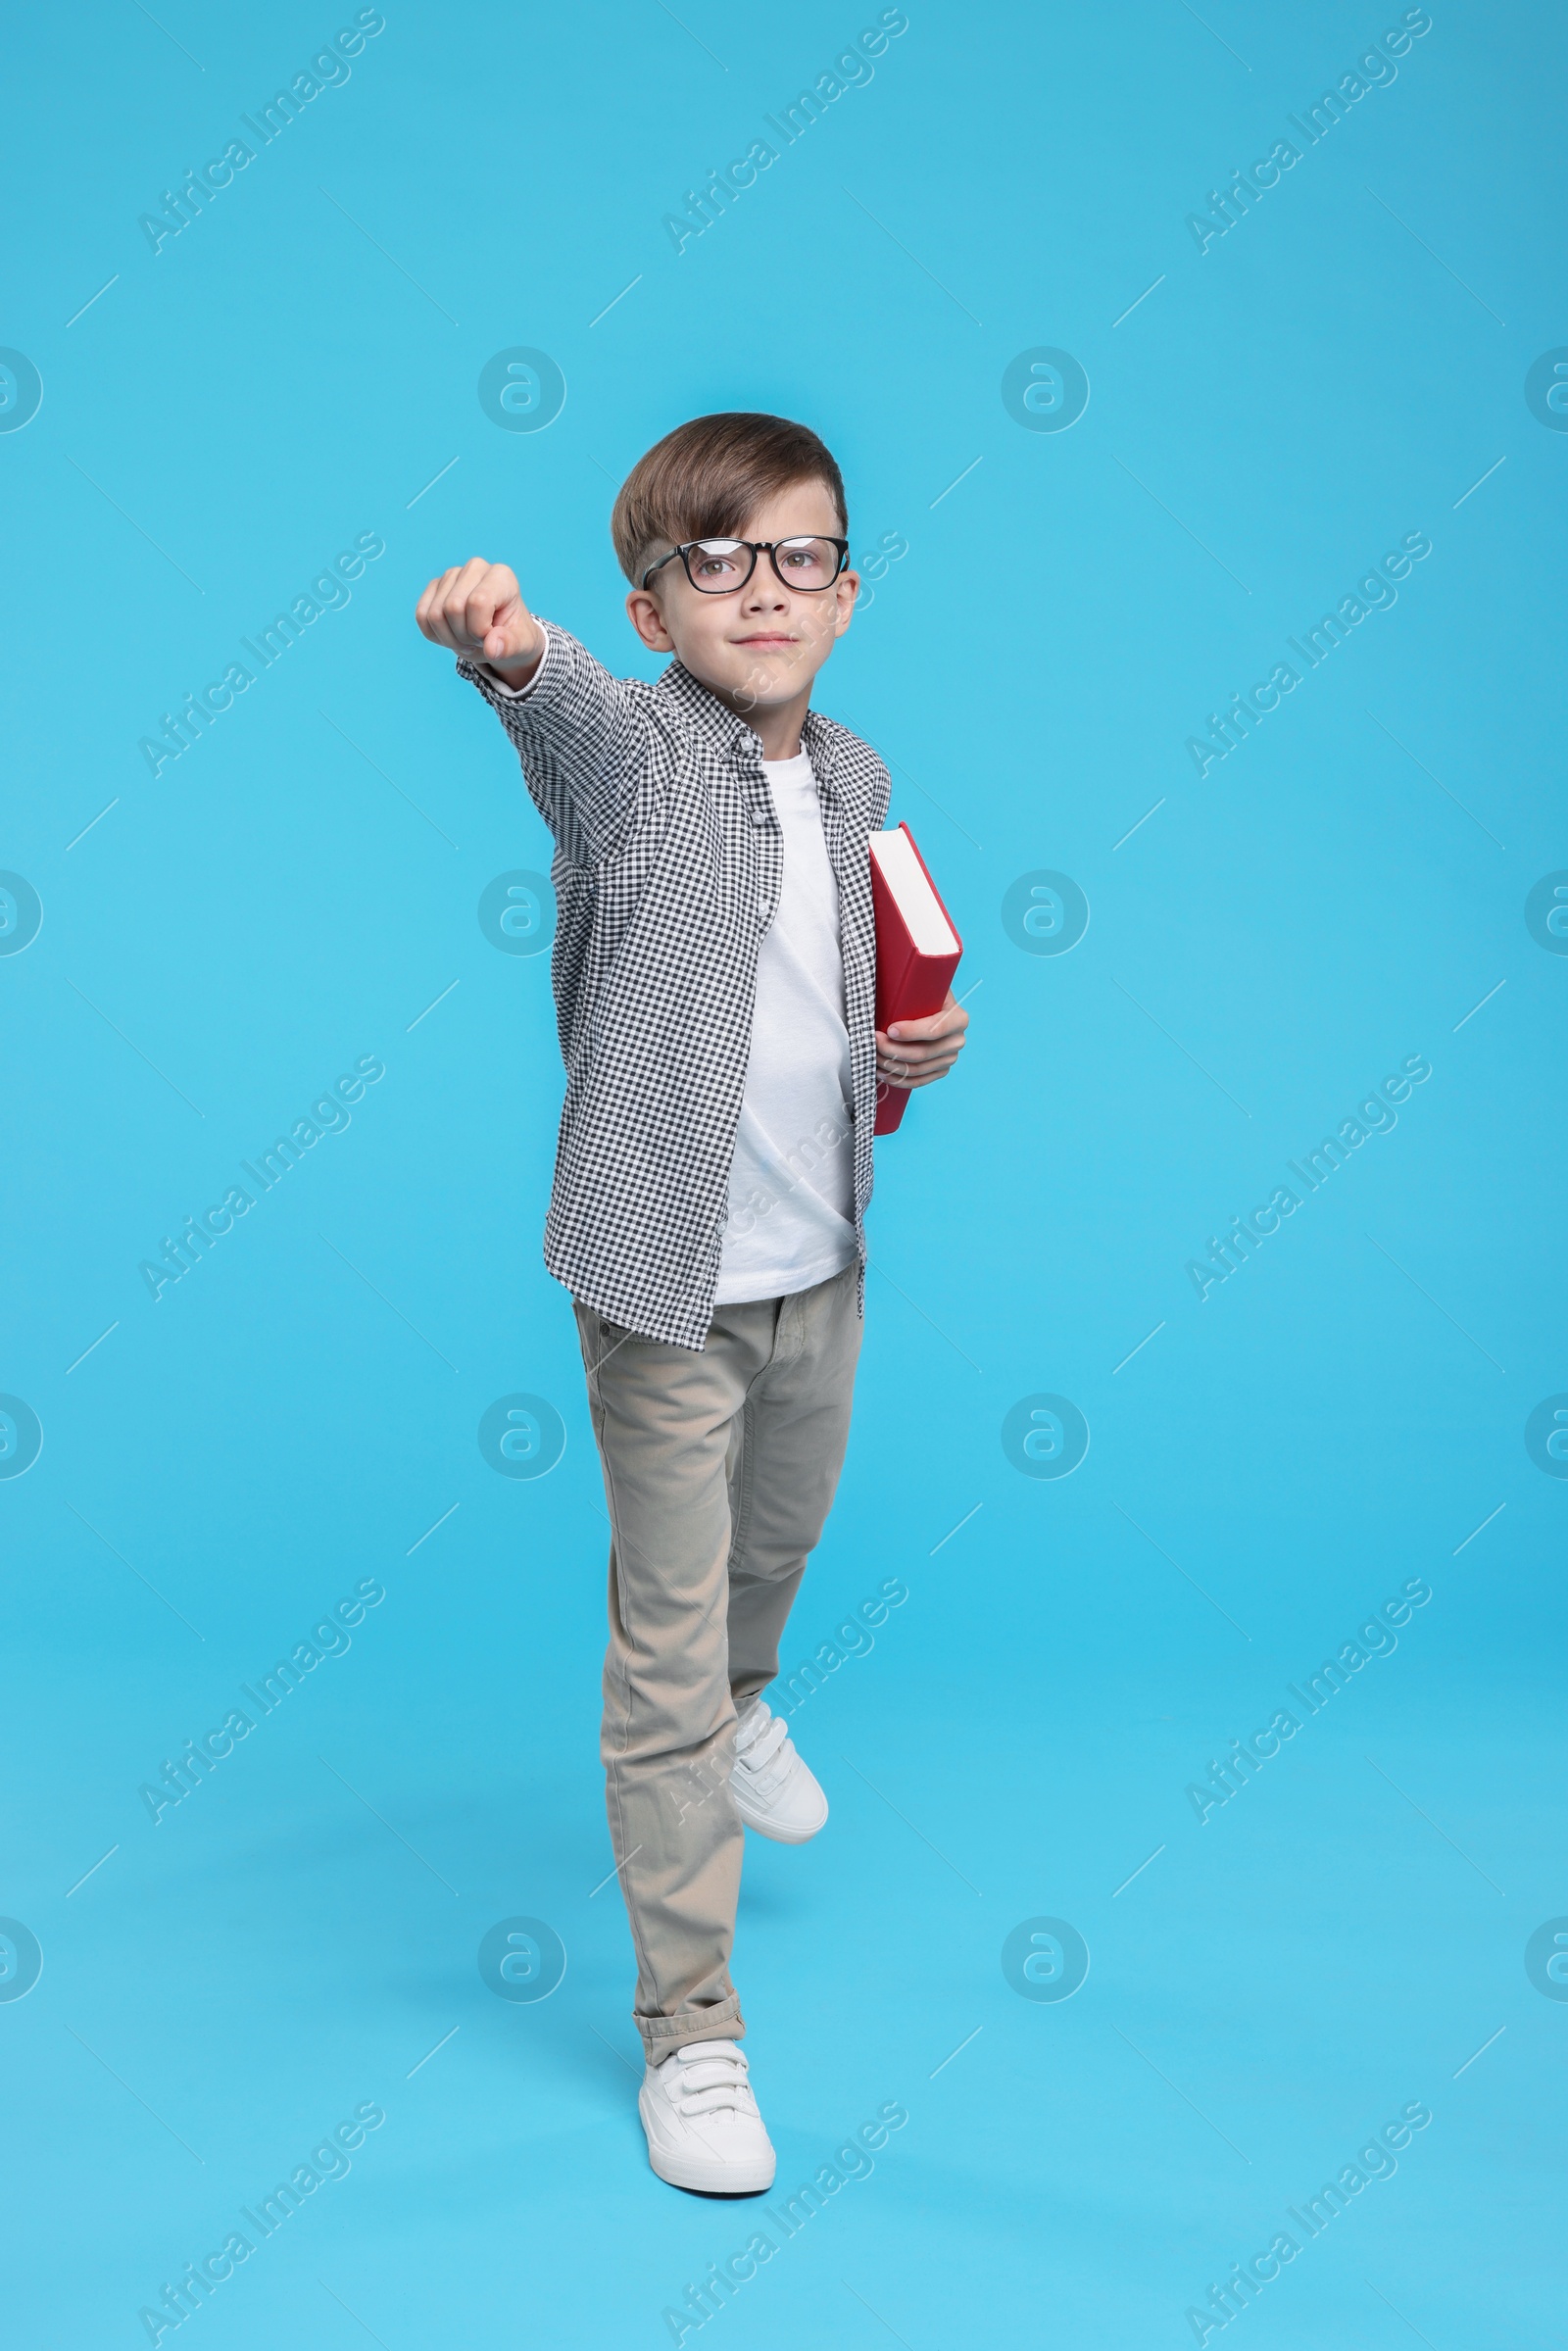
(760, 685)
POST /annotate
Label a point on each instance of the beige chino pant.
(720, 1471)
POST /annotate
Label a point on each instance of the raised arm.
(578, 731)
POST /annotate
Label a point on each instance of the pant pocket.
(613, 1338)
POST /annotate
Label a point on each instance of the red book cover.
(917, 948)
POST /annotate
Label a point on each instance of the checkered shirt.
(668, 868)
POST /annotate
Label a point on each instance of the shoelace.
(711, 2078)
(756, 1748)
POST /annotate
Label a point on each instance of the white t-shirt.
(791, 1186)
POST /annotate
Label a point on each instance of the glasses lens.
(716, 565)
(807, 562)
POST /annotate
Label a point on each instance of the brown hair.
(705, 477)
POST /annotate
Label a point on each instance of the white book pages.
(912, 894)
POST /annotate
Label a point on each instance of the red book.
(917, 948)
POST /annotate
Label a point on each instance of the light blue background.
(292, 370)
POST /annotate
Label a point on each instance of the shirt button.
(759, 817)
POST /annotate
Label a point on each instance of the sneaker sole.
(780, 1836)
(712, 2179)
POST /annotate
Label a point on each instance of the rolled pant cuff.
(663, 2035)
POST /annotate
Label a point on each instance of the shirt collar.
(726, 731)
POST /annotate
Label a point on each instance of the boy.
(715, 978)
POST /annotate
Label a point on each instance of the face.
(759, 647)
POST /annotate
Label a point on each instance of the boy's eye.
(717, 559)
(808, 559)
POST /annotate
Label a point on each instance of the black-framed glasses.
(718, 566)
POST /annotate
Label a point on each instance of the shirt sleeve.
(484, 675)
(582, 737)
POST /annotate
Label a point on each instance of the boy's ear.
(847, 588)
(643, 611)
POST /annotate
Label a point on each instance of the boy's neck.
(777, 725)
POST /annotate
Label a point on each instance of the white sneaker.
(774, 1790)
(704, 2129)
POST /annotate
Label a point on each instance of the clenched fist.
(477, 610)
